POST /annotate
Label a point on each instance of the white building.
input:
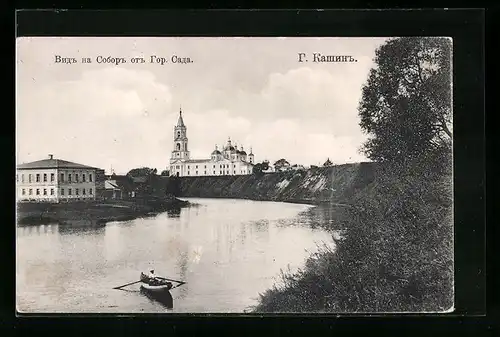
(227, 161)
(55, 180)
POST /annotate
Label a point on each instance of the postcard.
(241, 175)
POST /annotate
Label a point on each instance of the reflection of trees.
(174, 212)
(81, 227)
(182, 263)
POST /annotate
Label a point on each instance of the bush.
(397, 255)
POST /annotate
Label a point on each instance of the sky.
(253, 90)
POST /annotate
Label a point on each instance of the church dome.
(216, 152)
(243, 153)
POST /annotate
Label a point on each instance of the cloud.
(109, 116)
(252, 90)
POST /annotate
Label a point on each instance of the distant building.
(227, 161)
(112, 190)
(55, 180)
(282, 165)
(267, 167)
(297, 167)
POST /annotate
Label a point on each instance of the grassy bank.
(397, 255)
(98, 212)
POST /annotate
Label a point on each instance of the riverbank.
(336, 184)
(396, 255)
(94, 212)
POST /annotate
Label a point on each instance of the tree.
(406, 102)
(141, 172)
(265, 165)
(165, 173)
(257, 169)
(328, 162)
(280, 164)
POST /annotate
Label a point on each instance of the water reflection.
(227, 252)
(174, 212)
(37, 230)
(80, 227)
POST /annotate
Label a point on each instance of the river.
(227, 251)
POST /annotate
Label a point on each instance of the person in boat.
(152, 275)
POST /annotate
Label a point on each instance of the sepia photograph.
(238, 175)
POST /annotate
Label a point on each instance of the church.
(229, 160)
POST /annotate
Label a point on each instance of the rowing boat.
(155, 285)
(157, 290)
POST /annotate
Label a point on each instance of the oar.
(163, 278)
(181, 283)
(128, 284)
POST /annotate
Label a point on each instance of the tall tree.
(280, 164)
(141, 172)
(406, 102)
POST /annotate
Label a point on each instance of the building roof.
(180, 121)
(191, 161)
(216, 152)
(53, 163)
(110, 185)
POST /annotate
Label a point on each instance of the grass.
(397, 255)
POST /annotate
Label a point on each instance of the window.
(234, 166)
(196, 166)
(44, 191)
(196, 172)
(45, 177)
(37, 191)
(38, 177)
(188, 172)
(205, 166)
(17, 178)
(52, 177)
(178, 134)
(214, 166)
(90, 177)
(76, 177)
(69, 191)
(62, 177)
(178, 146)
(188, 167)
(51, 191)
(77, 191)
(22, 178)
(83, 177)
(205, 173)
(23, 192)
(69, 177)
(62, 191)
(90, 191)
(29, 177)
(83, 191)
(177, 167)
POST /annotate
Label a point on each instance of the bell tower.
(180, 151)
